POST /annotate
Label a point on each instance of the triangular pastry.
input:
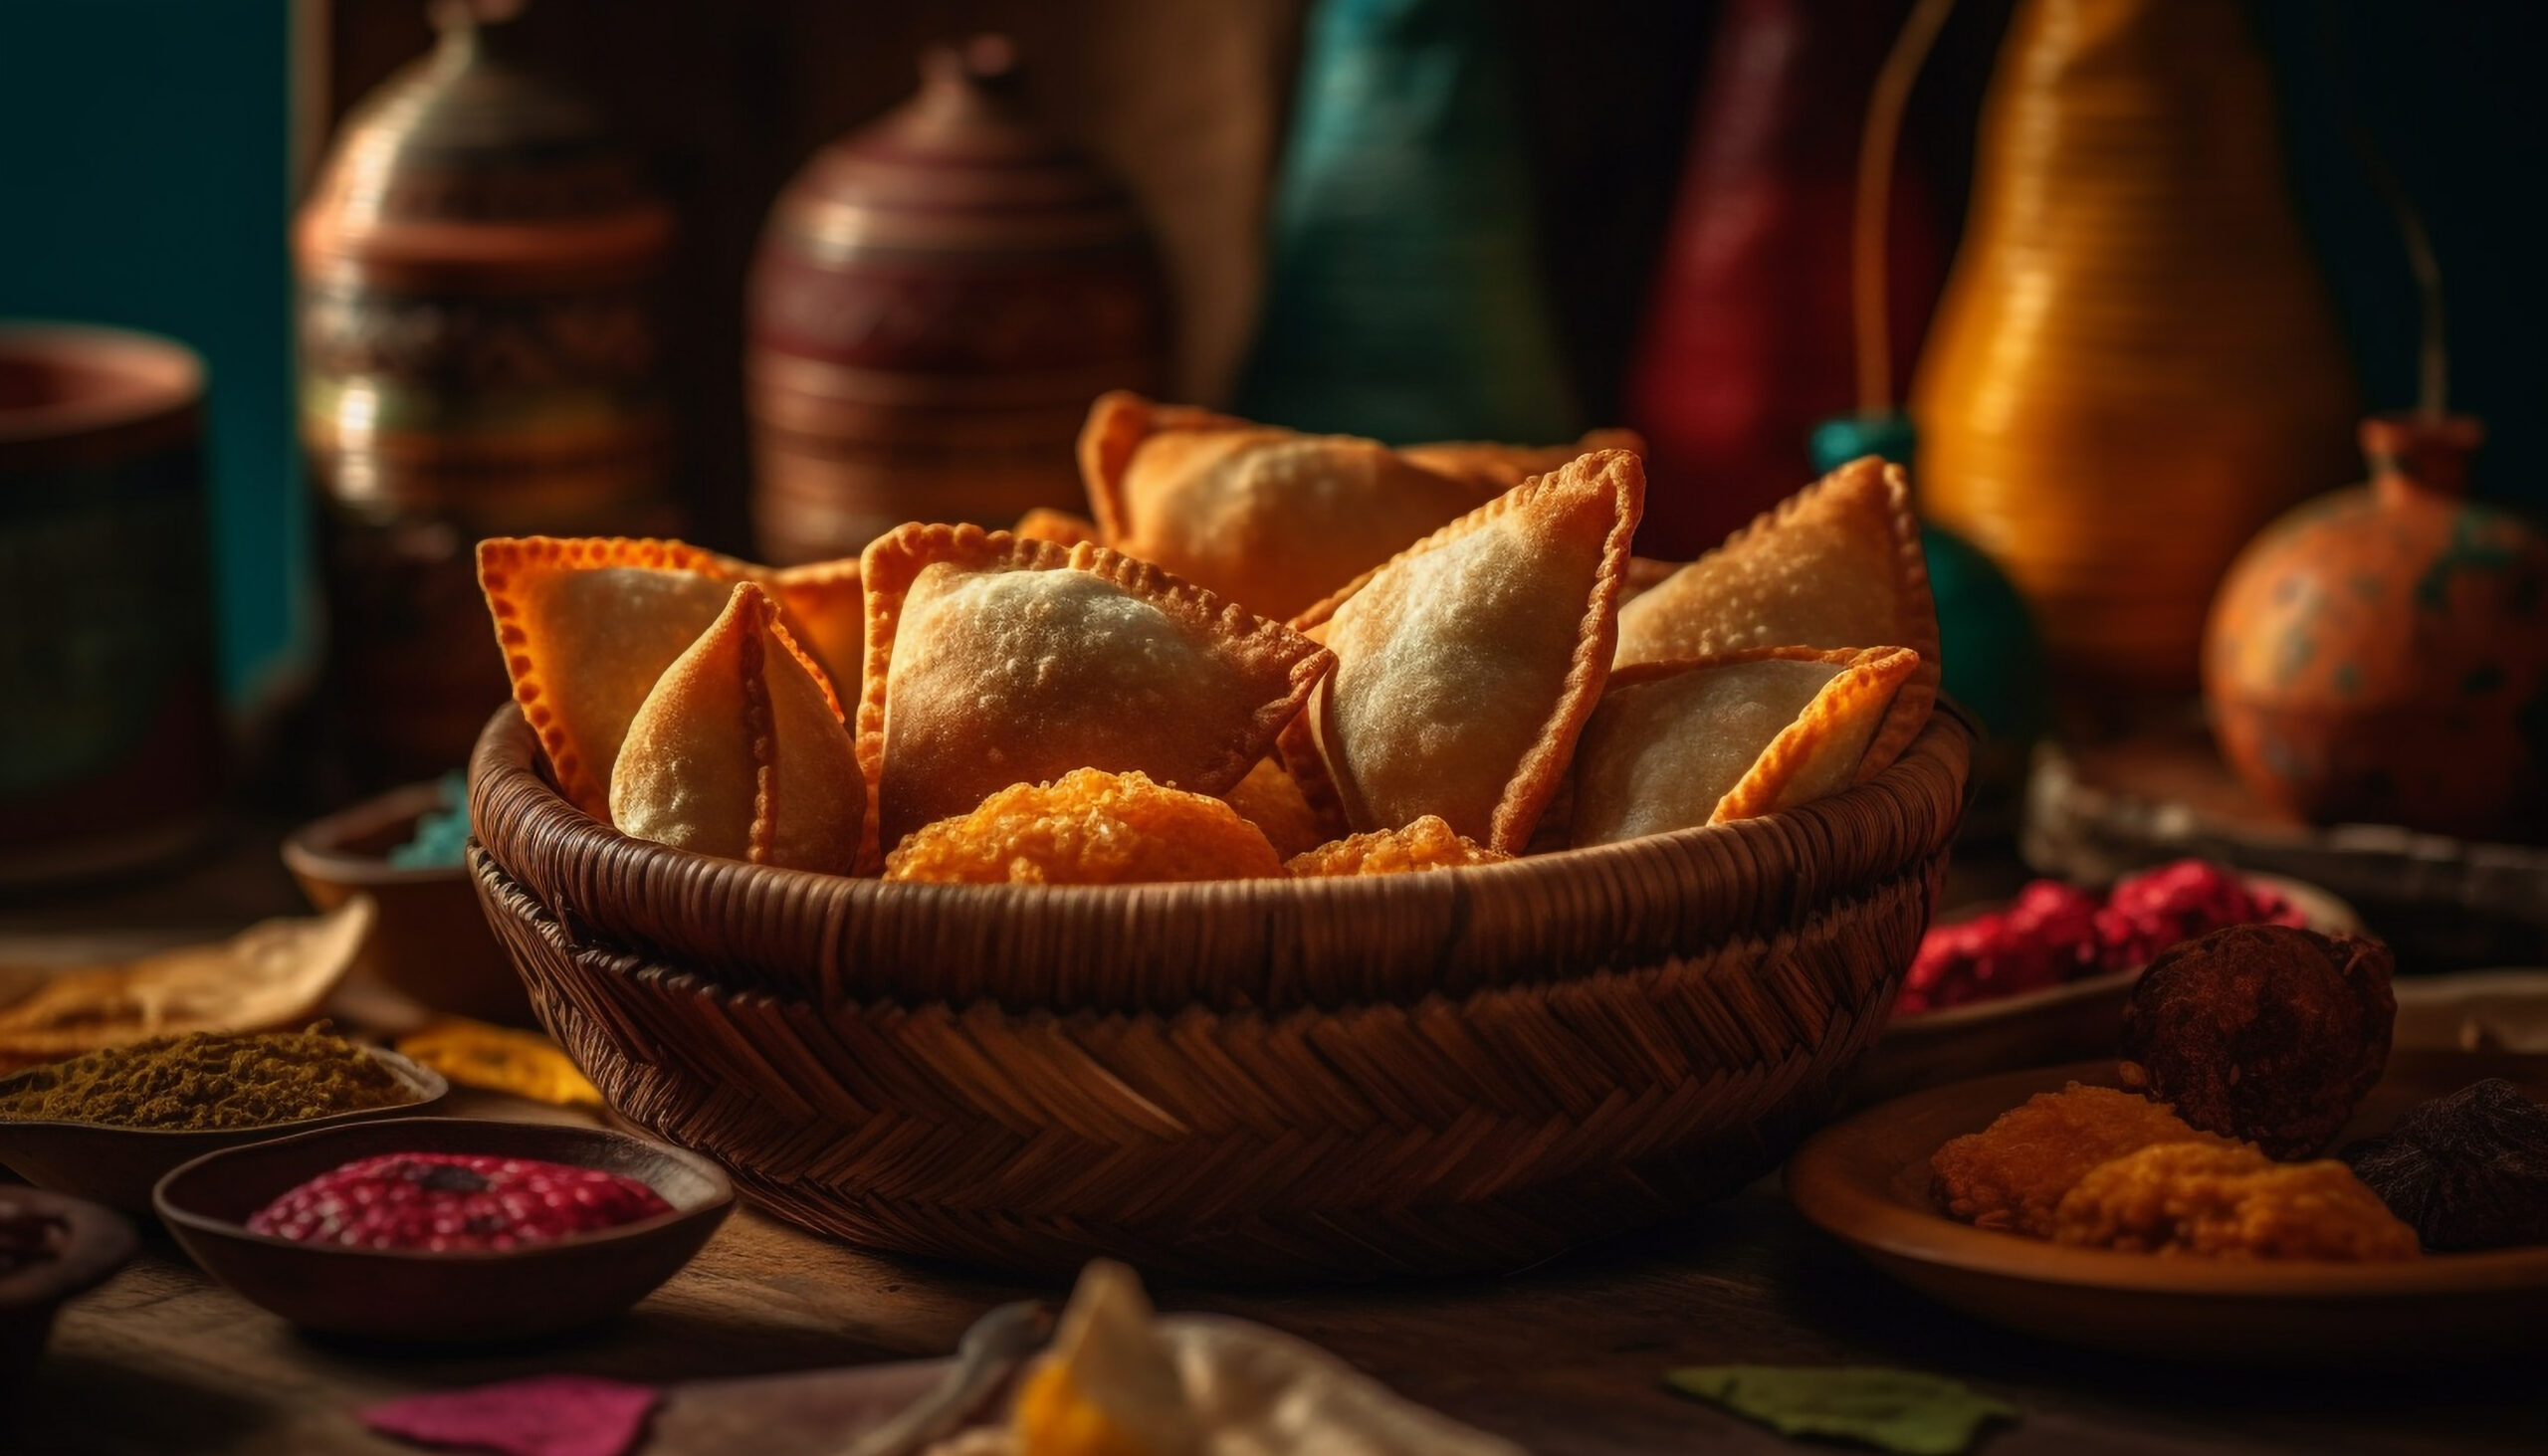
(1677, 745)
(1492, 468)
(1268, 517)
(825, 607)
(1044, 523)
(740, 750)
(586, 625)
(1835, 566)
(1466, 665)
(993, 661)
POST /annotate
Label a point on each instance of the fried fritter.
(2013, 1175)
(2230, 1202)
(1426, 844)
(2268, 1034)
(1088, 827)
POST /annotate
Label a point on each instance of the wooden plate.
(116, 1167)
(423, 1297)
(2079, 1019)
(1867, 1181)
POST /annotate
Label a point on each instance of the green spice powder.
(208, 1080)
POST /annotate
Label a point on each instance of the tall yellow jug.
(2135, 365)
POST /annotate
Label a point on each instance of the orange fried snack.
(1271, 799)
(1466, 666)
(1088, 827)
(2228, 1201)
(586, 625)
(1682, 743)
(1426, 844)
(2013, 1175)
(1837, 565)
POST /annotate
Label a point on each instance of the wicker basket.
(1249, 1079)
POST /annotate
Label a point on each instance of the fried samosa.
(993, 661)
(1678, 745)
(1467, 665)
(587, 626)
(1835, 566)
(740, 750)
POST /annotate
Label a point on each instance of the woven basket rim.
(750, 927)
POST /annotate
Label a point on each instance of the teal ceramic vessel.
(1402, 301)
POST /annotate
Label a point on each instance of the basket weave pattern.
(1420, 1073)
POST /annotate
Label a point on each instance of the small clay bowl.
(431, 940)
(99, 1241)
(413, 1296)
(116, 1167)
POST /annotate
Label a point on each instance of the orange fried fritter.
(1427, 844)
(2230, 1202)
(2012, 1176)
(1271, 799)
(1088, 827)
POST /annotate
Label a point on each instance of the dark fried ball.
(2468, 1171)
(2269, 1034)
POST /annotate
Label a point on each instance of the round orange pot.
(2381, 654)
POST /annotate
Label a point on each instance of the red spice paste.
(451, 1201)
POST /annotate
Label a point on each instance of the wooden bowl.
(431, 940)
(1247, 1079)
(2064, 1024)
(100, 1242)
(473, 1294)
(1867, 1181)
(117, 1165)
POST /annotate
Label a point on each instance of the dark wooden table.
(1565, 1357)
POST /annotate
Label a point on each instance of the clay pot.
(938, 298)
(2381, 654)
(1747, 343)
(479, 341)
(2135, 364)
(111, 743)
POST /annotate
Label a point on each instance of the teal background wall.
(146, 181)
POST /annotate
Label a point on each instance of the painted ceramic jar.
(479, 334)
(937, 299)
(2134, 365)
(2381, 654)
(109, 714)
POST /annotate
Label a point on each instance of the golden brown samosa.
(1466, 665)
(740, 750)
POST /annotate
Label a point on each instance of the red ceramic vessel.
(1748, 342)
(938, 298)
(2381, 654)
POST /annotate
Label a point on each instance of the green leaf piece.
(1903, 1411)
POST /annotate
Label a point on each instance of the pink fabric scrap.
(544, 1415)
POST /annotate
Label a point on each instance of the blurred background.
(1508, 218)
